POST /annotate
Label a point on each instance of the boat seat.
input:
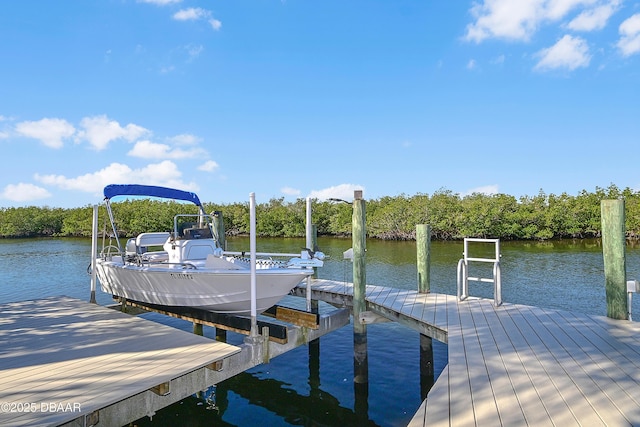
(183, 226)
(152, 239)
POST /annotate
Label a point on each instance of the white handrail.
(462, 282)
(497, 284)
(633, 286)
(463, 271)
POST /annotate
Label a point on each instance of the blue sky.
(300, 98)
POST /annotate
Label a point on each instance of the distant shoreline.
(451, 217)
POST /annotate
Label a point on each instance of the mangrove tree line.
(451, 216)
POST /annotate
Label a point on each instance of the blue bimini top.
(150, 190)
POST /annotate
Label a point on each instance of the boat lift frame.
(463, 271)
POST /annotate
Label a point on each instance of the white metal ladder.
(463, 271)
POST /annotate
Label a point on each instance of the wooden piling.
(198, 328)
(221, 335)
(359, 234)
(423, 253)
(218, 224)
(613, 251)
(314, 365)
(423, 246)
(426, 365)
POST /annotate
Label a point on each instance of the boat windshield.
(193, 226)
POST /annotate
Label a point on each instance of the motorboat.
(187, 266)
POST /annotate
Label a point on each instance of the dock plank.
(422, 303)
(379, 296)
(478, 376)
(460, 396)
(497, 353)
(526, 375)
(375, 293)
(579, 367)
(536, 351)
(436, 407)
(597, 361)
(396, 303)
(441, 309)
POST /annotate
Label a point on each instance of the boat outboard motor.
(131, 249)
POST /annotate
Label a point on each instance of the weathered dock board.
(63, 360)
(515, 364)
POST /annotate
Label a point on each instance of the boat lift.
(276, 311)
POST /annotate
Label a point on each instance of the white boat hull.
(221, 291)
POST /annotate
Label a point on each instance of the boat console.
(183, 250)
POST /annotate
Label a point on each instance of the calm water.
(287, 391)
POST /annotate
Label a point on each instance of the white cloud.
(569, 52)
(290, 191)
(24, 192)
(196, 14)
(558, 9)
(165, 173)
(519, 20)
(191, 14)
(194, 50)
(504, 19)
(594, 19)
(342, 191)
(151, 150)
(99, 131)
(215, 24)
(471, 64)
(208, 166)
(629, 30)
(485, 189)
(51, 132)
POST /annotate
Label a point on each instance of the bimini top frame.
(114, 190)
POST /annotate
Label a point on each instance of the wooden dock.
(63, 361)
(515, 365)
(66, 362)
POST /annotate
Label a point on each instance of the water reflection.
(284, 403)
